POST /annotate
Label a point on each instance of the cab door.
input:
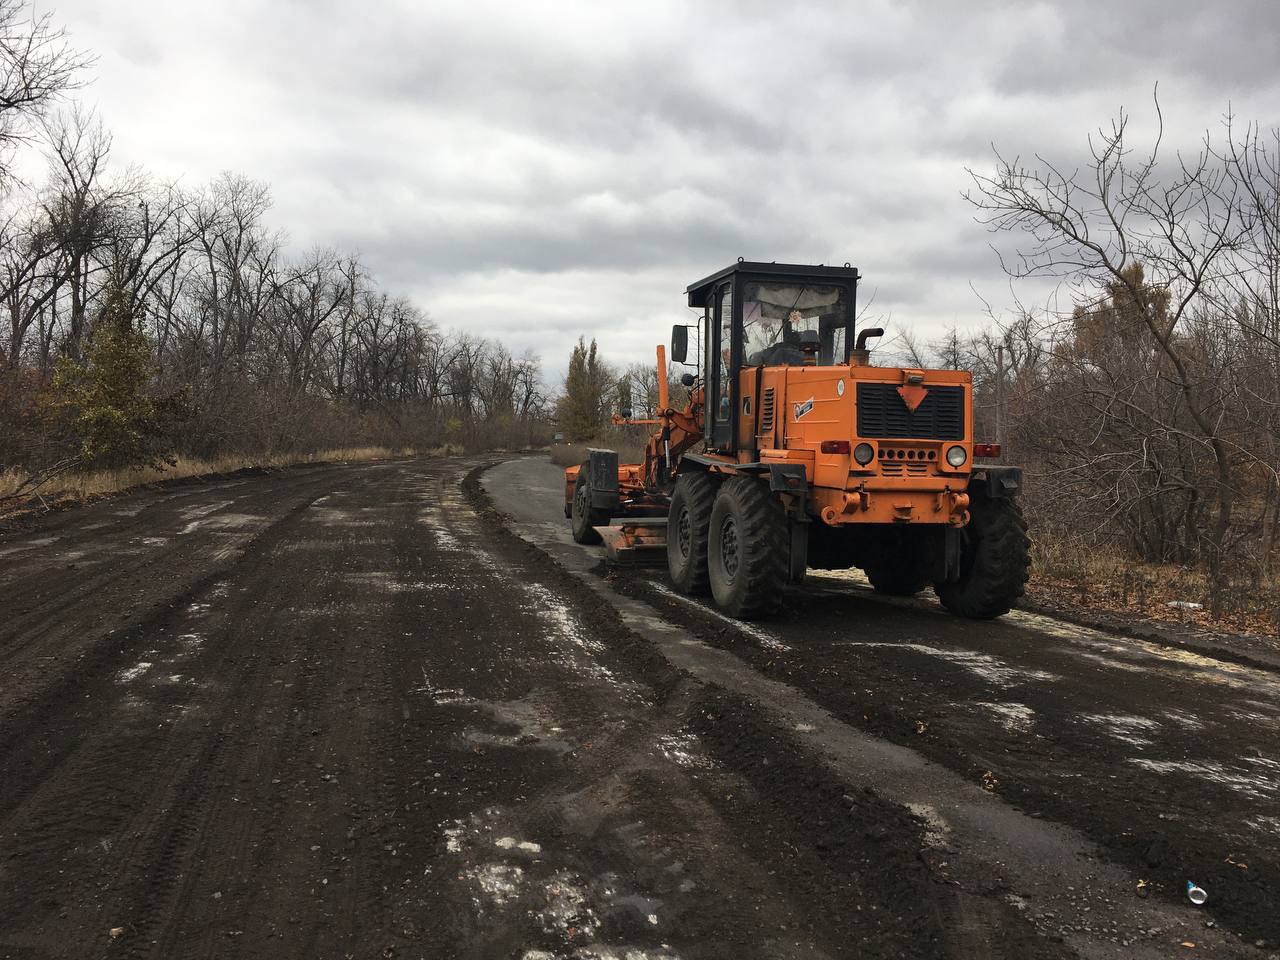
(722, 393)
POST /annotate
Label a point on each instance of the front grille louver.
(883, 413)
(766, 411)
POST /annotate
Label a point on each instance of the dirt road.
(349, 711)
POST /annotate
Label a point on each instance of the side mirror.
(867, 333)
(679, 343)
(688, 379)
(625, 413)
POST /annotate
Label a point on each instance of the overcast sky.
(540, 171)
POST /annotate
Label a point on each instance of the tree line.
(1150, 410)
(255, 348)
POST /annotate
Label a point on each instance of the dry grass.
(74, 487)
(1075, 574)
(572, 454)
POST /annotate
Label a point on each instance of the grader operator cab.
(795, 451)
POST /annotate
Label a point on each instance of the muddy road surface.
(389, 710)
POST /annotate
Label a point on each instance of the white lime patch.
(454, 835)
(575, 648)
(684, 750)
(566, 905)
(336, 517)
(1013, 716)
(1254, 777)
(129, 674)
(443, 536)
(1185, 719)
(511, 843)
(29, 545)
(499, 882)
(1128, 728)
(989, 668)
(763, 637)
(935, 827)
(440, 695)
(191, 643)
(195, 515)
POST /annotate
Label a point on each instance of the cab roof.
(700, 292)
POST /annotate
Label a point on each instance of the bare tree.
(37, 67)
(1155, 235)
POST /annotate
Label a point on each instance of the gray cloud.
(540, 171)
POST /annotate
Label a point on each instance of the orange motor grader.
(795, 451)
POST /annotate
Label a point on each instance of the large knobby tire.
(995, 561)
(896, 569)
(687, 522)
(583, 517)
(748, 549)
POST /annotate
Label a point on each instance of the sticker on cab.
(801, 409)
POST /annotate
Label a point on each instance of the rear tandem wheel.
(688, 518)
(584, 518)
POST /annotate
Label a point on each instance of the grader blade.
(638, 542)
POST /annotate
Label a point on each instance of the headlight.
(956, 456)
(864, 453)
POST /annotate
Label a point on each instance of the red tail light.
(835, 446)
(987, 451)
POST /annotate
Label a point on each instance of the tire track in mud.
(170, 745)
(401, 730)
(1052, 737)
(826, 858)
(890, 701)
(43, 732)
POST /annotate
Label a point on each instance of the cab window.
(723, 349)
(775, 314)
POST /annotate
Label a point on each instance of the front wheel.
(995, 561)
(583, 517)
(748, 550)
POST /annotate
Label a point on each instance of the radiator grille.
(900, 469)
(882, 413)
(766, 411)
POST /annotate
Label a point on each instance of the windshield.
(775, 314)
